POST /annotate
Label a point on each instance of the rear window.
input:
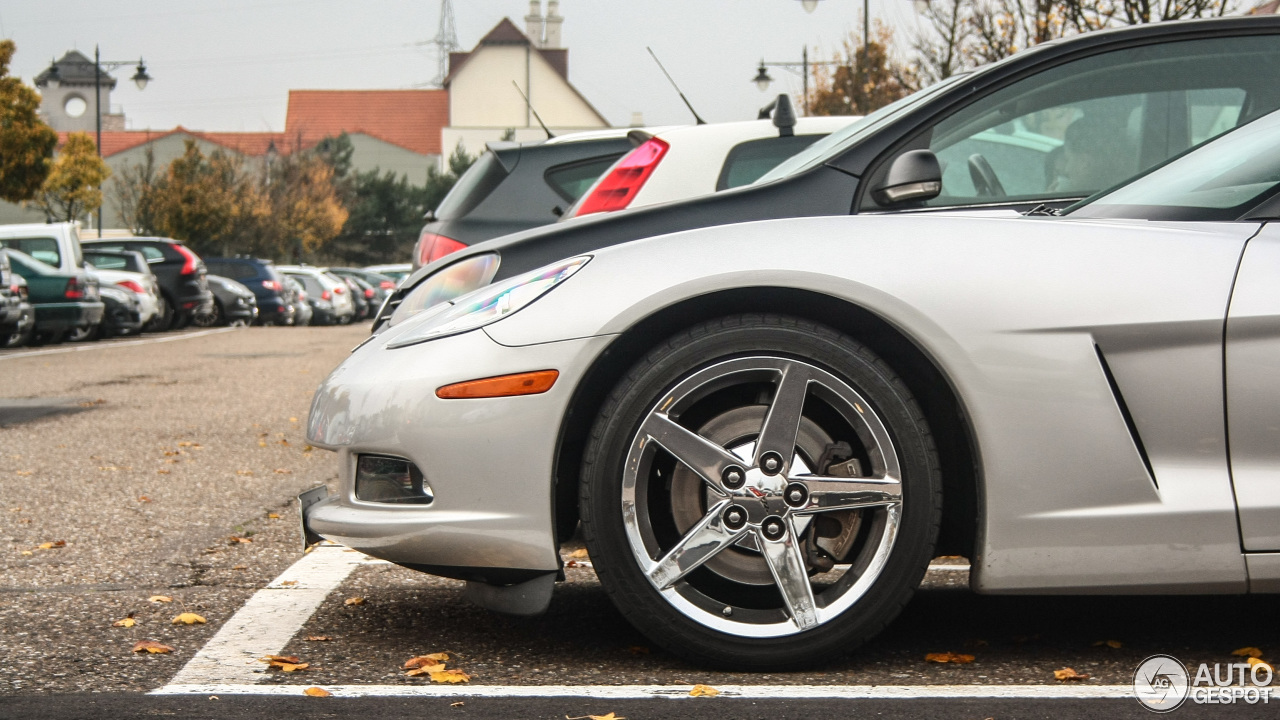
(476, 183)
(233, 270)
(570, 180)
(749, 161)
(44, 249)
(108, 262)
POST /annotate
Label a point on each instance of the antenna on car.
(677, 87)
(535, 112)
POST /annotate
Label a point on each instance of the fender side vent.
(1124, 412)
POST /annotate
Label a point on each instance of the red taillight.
(387, 285)
(619, 187)
(272, 285)
(74, 291)
(325, 295)
(368, 292)
(432, 247)
(132, 286)
(338, 290)
(189, 260)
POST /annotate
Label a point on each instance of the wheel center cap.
(761, 495)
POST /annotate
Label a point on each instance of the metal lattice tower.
(445, 42)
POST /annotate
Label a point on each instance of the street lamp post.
(762, 78)
(141, 78)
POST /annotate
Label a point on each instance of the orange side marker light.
(528, 383)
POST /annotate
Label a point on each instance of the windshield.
(1221, 179)
(841, 140)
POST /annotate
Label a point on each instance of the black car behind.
(264, 280)
(179, 271)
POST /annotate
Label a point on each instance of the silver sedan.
(768, 430)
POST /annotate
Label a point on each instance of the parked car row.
(56, 285)
(768, 417)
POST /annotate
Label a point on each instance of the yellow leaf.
(293, 419)
(154, 648)
(24, 473)
(160, 599)
(1255, 662)
(317, 692)
(703, 691)
(261, 444)
(273, 516)
(125, 623)
(291, 667)
(949, 657)
(1113, 644)
(188, 618)
(1069, 674)
(1251, 651)
(289, 583)
(52, 545)
(353, 601)
(239, 567)
(184, 444)
(277, 659)
(244, 472)
(579, 553)
(426, 669)
(421, 660)
(450, 676)
(27, 552)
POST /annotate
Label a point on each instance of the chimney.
(554, 21)
(533, 22)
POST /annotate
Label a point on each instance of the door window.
(1087, 125)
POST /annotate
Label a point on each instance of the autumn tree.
(865, 78)
(196, 200)
(26, 142)
(73, 186)
(304, 210)
(131, 194)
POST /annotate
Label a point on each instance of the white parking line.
(678, 692)
(270, 619)
(126, 343)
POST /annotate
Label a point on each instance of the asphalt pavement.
(144, 480)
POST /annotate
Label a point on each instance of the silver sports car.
(769, 429)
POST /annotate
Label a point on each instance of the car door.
(1253, 391)
(1090, 123)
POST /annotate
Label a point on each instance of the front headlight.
(449, 284)
(488, 305)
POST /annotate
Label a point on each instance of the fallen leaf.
(288, 583)
(184, 444)
(426, 669)
(153, 648)
(1255, 662)
(273, 516)
(162, 471)
(460, 704)
(353, 601)
(126, 622)
(318, 638)
(450, 676)
(293, 419)
(188, 618)
(269, 659)
(291, 667)
(27, 552)
(639, 650)
(1251, 651)
(703, 691)
(244, 472)
(261, 444)
(949, 657)
(421, 660)
(1069, 674)
(1113, 644)
(284, 442)
(239, 567)
(317, 692)
(579, 553)
(24, 473)
(237, 539)
(144, 499)
(160, 598)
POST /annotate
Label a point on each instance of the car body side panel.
(1014, 312)
(1253, 391)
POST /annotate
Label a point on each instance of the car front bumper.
(489, 462)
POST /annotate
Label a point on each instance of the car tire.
(716, 564)
(215, 316)
(163, 317)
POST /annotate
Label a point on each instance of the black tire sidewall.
(698, 348)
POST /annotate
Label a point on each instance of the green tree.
(73, 186)
(26, 142)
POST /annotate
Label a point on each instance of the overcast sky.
(229, 64)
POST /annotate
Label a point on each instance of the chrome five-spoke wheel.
(762, 495)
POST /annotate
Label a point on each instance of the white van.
(56, 244)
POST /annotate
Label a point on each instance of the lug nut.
(773, 528)
(771, 463)
(733, 477)
(796, 495)
(735, 517)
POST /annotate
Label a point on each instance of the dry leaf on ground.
(1250, 651)
(160, 599)
(144, 499)
(353, 601)
(283, 471)
(53, 544)
(188, 618)
(949, 657)
(237, 539)
(291, 667)
(460, 704)
(148, 646)
(1069, 674)
(1113, 644)
(703, 691)
(280, 659)
(125, 622)
(426, 669)
(317, 692)
(273, 516)
(288, 583)
(239, 567)
(1255, 662)
(579, 554)
(421, 660)
(318, 638)
(450, 676)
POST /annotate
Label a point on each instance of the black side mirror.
(913, 175)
